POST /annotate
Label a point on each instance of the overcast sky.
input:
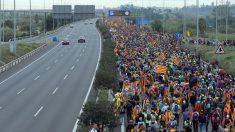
(39, 4)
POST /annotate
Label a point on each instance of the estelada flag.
(176, 60)
(163, 55)
(160, 69)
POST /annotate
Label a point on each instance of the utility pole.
(0, 21)
(197, 26)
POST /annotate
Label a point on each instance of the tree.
(9, 23)
(202, 25)
(98, 112)
(156, 25)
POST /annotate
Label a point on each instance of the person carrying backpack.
(215, 121)
(187, 125)
(202, 121)
(176, 111)
(195, 118)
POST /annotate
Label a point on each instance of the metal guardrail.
(20, 59)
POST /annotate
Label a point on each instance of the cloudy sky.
(39, 4)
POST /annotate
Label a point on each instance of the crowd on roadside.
(213, 43)
(165, 88)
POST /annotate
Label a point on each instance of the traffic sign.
(119, 12)
(220, 50)
(178, 35)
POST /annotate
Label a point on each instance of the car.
(91, 23)
(65, 42)
(81, 39)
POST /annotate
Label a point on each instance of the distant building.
(212, 4)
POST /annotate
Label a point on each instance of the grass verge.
(21, 50)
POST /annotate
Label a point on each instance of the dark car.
(65, 42)
(81, 39)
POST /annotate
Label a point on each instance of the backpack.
(202, 118)
(176, 108)
(195, 116)
(163, 118)
(148, 117)
(215, 120)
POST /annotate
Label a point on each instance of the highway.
(47, 95)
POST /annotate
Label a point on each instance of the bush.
(100, 112)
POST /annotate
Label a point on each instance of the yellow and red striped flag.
(160, 69)
(163, 55)
(176, 60)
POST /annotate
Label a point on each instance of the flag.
(176, 60)
(163, 55)
(160, 69)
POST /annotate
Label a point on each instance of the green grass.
(226, 61)
(21, 49)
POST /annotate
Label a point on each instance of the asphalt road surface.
(47, 95)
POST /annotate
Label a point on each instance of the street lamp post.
(184, 30)
(3, 26)
(44, 19)
(30, 23)
(197, 26)
(14, 43)
(216, 23)
(163, 16)
(227, 21)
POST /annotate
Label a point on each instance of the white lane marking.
(80, 54)
(89, 90)
(72, 67)
(55, 61)
(83, 50)
(77, 60)
(65, 76)
(48, 68)
(21, 91)
(36, 78)
(54, 90)
(38, 111)
(122, 125)
(29, 64)
(0, 107)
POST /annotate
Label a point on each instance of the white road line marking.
(55, 61)
(21, 91)
(122, 125)
(65, 76)
(72, 67)
(29, 65)
(48, 68)
(0, 107)
(77, 60)
(83, 50)
(36, 78)
(80, 54)
(89, 90)
(54, 90)
(38, 111)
